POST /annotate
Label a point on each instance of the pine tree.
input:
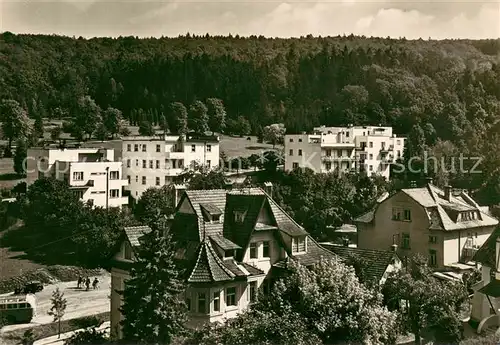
(20, 157)
(58, 308)
(153, 312)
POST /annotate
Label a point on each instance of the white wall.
(453, 246)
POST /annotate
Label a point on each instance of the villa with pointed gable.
(233, 243)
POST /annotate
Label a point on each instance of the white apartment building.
(155, 161)
(362, 148)
(91, 173)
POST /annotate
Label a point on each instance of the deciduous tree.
(198, 117)
(155, 203)
(57, 309)
(15, 121)
(216, 115)
(180, 115)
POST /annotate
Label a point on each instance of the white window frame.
(114, 193)
(209, 148)
(296, 244)
(227, 295)
(114, 175)
(78, 176)
(253, 245)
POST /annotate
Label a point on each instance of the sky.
(411, 19)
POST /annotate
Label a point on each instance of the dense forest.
(444, 95)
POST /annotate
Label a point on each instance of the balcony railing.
(386, 149)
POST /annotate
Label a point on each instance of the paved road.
(54, 340)
(79, 302)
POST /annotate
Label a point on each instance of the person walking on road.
(79, 283)
(95, 283)
(87, 283)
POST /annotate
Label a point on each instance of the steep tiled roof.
(487, 253)
(242, 269)
(251, 204)
(284, 221)
(209, 268)
(443, 213)
(211, 208)
(133, 234)
(215, 197)
(376, 261)
(224, 243)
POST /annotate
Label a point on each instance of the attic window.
(128, 251)
(229, 253)
(215, 217)
(299, 244)
(239, 216)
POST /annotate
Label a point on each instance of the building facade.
(155, 161)
(486, 299)
(445, 226)
(235, 243)
(329, 149)
(91, 173)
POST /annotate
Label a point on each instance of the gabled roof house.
(444, 225)
(232, 243)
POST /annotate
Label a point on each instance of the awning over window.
(492, 289)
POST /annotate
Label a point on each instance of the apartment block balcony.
(173, 171)
(387, 149)
(174, 155)
(338, 145)
(337, 158)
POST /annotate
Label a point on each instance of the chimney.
(345, 242)
(394, 248)
(268, 188)
(447, 192)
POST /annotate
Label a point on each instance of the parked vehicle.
(17, 308)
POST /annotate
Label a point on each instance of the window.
(370, 144)
(266, 249)
(432, 257)
(202, 303)
(217, 301)
(432, 239)
(157, 181)
(398, 142)
(328, 165)
(128, 163)
(328, 153)
(229, 253)
(300, 140)
(396, 213)
(136, 147)
(136, 162)
(144, 163)
(128, 251)
(128, 179)
(151, 164)
(295, 165)
(252, 291)
(291, 140)
(158, 148)
(136, 179)
(129, 147)
(300, 152)
(239, 216)
(347, 134)
(193, 148)
(371, 167)
(407, 215)
(114, 193)
(209, 163)
(78, 194)
(291, 152)
(209, 148)
(231, 296)
(144, 148)
(114, 175)
(78, 176)
(405, 241)
(371, 156)
(144, 180)
(166, 179)
(299, 244)
(157, 164)
(253, 250)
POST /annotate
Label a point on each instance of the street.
(80, 303)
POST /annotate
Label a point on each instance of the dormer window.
(211, 213)
(299, 244)
(229, 253)
(215, 217)
(239, 216)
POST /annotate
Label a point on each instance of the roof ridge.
(270, 199)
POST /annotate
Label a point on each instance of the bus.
(17, 308)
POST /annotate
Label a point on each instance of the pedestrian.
(95, 283)
(87, 283)
(79, 283)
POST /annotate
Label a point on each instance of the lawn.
(8, 178)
